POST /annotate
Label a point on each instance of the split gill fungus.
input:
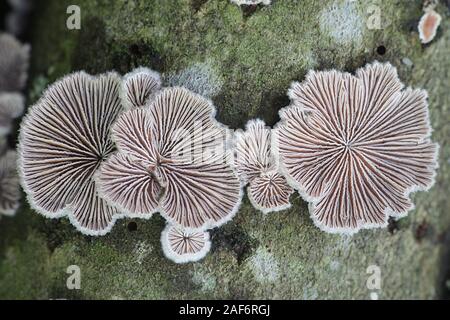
(138, 86)
(355, 147)
(63, 140)
(257, 166)
(183, 246)
(172, 158)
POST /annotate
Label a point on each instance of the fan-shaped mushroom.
(13, 63)
(9, 184)
(268, 190)
(11, 106)
(183, 246)
(172, 158)
(63, 140)
(356, 146)
(138, 86)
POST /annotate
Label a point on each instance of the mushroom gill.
(355, 147)
(183, 246)
(256, 164)
(138, 86)
(63, 140)
(180, 163)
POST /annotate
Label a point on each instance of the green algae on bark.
(255, 56)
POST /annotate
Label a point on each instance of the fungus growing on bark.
(63, 140)
(356, 146)
(428, 25)
(174, 150)
(11, 107)
(183, 246)
(9, 184)
(268, 190)
(13, 63)
(138, 86)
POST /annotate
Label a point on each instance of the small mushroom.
(428, 25)
(11, 107)
(171, 158)
(63, 140)
(183, 246)
(9, 184)
(138, 86)
(268, 190)
(14, 59)
(129, 186)
(356, 146)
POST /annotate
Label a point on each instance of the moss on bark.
(255, 55)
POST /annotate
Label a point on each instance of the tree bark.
(244, 59)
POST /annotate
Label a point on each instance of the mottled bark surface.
(244, 59)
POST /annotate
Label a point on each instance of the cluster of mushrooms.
(13, 74)
(96, 149)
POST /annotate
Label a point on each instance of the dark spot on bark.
(381, 50)
(233, 238)
(197, 4)
(122, 58)
(392, 225)
(93, 36)
(132, 226)
(248, 10)
(57, 231)
(143, 54)
(270, 103)
(421, 231)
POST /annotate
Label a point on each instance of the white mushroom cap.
(11, 106)
(253, 150)
(63, 140)
(9, 184)
(428, 25)
(270, 192)
(256, 164)
(183, 246)
(14, 60)
(138, 86)
(356, 146)
(175, 143)
(129, 186)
